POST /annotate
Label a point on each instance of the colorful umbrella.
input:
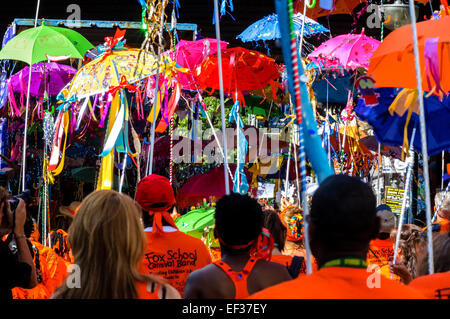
(392, 64)
(37, 44)
(108, 70)
(243, 70)
(190, 54)
(349, 50)
(389, 129)
(339, 7)
(268, 29)
(45, 77)
(200, 186)
(195, 222)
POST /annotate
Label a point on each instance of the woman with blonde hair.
(108, 242)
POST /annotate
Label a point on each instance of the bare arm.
(24, 254)
(191, 290)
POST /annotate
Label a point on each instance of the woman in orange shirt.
(108, 242)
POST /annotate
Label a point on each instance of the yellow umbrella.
(107, 71)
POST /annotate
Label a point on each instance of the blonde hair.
(445, 207)
(108, 242)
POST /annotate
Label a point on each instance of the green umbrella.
(195, 222)
(34, 45)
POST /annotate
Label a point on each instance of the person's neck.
(236, 259)
(322, 260)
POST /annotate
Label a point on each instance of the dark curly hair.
(238, 218)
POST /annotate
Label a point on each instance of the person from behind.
(108, 243)
(442, 208)
(242, 270)
(437, 285)
(295, 265)
(381, 249)
(170, 253)
(17, 268)
(342, 222)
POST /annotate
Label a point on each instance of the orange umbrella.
(339, 7)
(392, 64)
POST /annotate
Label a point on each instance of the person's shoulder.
(397, 290)
(190, 240)
(285, 290)
(440, 278)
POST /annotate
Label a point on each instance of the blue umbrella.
(389, 129)
(268, 28)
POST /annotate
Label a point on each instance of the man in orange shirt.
(381, 249)
(170, 253)
(342, 222)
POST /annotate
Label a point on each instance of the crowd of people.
(120, 248)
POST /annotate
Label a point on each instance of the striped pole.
(295, 66)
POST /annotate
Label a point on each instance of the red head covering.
(155, 195)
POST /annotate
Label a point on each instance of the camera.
(14, 201)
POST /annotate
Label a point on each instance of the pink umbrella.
(210, 183)
(350, 51)
(190, 54)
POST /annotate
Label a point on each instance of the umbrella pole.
(152, 140)
(286, 184)
(222, 106)
(423, 135)
(405, 194)
(343, 146)
(124, 165)
(442, 169)
(303, 28)
(380, 170)
(26, 110)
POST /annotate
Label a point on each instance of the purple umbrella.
(51, 76)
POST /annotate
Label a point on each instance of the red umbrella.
(190, 54)
(200, 186)
(243, 70)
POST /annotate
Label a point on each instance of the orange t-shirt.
(381, 252)
(338, 283)
(173, 256)
(435, 286)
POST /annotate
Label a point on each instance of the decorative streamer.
(312, 140)
(423, 133)
(240, 180)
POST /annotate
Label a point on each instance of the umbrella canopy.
(190, 54)
(339, 7)
(36, 44)
(389, 129)
(194, 222)
(105, 71)
(392, 64)
(268, 29)
(243, 70)
(200, 186)
(45, 77)
(349, 50)
(390, 151)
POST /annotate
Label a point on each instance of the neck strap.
(346, 262)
